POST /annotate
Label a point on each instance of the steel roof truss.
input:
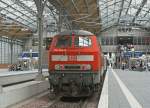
(139, 9)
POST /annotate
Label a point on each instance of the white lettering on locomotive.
(72, 58)
(59, 58)
(85, 58)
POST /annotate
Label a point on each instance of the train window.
(82, 41)
(64, 41)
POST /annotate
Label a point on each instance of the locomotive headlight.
(57, 67)
(86, 67)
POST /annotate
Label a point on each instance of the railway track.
(92, 102)
(42, 101)
(67, 103)
(88, 102)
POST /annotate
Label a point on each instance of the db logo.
(72, 58)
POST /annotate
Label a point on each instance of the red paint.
(73, 51)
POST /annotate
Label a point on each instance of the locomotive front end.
(74, 64)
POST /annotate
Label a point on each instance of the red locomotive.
(75, 63)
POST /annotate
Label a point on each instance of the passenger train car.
(75, 63)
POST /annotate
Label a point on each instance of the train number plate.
(72, 58)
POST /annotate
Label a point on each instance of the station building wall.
(9, 47)
(141, 38)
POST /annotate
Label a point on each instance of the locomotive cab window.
(83, 41)
(64, 41)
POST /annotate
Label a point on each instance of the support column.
(60, 20)
(1, 89)
(40, 32)
(11, 51)
(40, 7)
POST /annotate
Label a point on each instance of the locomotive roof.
(76, 32)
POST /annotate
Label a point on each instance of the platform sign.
(128, 54)
(138, 53)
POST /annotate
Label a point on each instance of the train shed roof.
(18, 18)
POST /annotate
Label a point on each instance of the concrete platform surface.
(126, 89)
(5, 72)
(10, 77)
(16, 93)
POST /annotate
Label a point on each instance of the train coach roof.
(76, 32)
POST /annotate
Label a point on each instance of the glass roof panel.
(24, 12)
(110, 12)
(17, 12)
(132, 11)
(125, 8)
(118, 11)
(29, 3)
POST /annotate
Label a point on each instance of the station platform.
(4, 72)
(125, 89)
(21, 85)
(10, 77)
